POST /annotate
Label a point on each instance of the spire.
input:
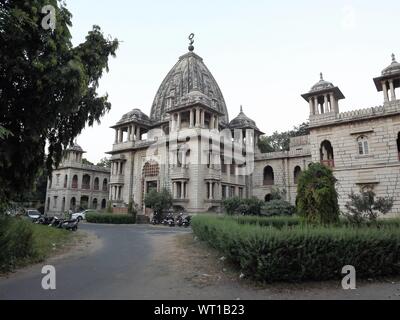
(191, 39)
(321, 76)
(241, 109)
(393, 57)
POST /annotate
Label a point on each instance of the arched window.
(95, 204)
(269, 178)
(363, 148)
(96, 184)
(66, 181)
(105, 185)
(297, 172)
(103, 204)
(75, 182)
(86, 182)
(326, 153)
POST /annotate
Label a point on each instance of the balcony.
(85, 186)
(328, 163)
(179, 173)
(212, 174)
(119, 179)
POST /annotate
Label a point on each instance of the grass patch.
(300, 252)
(23, 243)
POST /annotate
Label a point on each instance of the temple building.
(188, 145)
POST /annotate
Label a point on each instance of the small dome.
(243, 122)
(393, 68)
(75, 147)
(322, 85)
(135, 115)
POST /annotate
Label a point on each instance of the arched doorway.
(326, 154)
(268, 198)
(103, 204)
(95, 203)
(297, 172)
(269, 178)
(73, 204)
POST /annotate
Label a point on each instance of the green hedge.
(302, 252)
(110, 218)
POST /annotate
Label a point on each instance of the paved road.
(145, 262)
(117, 269)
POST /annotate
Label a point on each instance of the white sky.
(263, 54)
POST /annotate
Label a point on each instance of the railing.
(86, 186)
(75, 185)
(328, 163)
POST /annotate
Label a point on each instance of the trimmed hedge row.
(302, 252)
(110, 218)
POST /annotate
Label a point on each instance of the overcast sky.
(263, 54)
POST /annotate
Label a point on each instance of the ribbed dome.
(243, 122)
(135, 115)
(188, 81)
(322, 85)
(393, 68)
(75, 147)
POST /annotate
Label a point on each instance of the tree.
(280, 141)
(48, 89)
(105, 163)
(317, 198)
(87, 162)
(366, 207)
(158, 201)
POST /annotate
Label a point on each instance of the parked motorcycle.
(157, 219)
(56, 223)
(186, 221)
(70, 225)
(169, 220)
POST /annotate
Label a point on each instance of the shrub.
(302, 252)
(158, 201)
(278, 208)
(16, 242)
(317, 199)
(232, 205)
(250, 207)
(365, 207)
(110, 218)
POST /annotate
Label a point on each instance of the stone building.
(75, 185)
(174, 147)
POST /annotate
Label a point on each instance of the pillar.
(197, 117)
(385, 91)
(333, 103)
(182, 190)
(191, 118)
(326, 107)
(116, 136)
(133, 131)
(310, 100)
(392, 91)
(179, 121)
(202, 118)
(316, 105)
(138, 137)
(130, 133)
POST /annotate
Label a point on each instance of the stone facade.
(166, 150)
(75, 185)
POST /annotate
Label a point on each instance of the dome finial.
(321, 76)
(393, 57)
(191, 39)
(241, 109)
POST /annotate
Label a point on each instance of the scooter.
(156, 219)
(70, 225)
(169, 220)
(186, 221)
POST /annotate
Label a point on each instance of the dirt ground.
(204, 268)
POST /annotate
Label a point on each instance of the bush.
(232, 205)
(365, 207)
(110, 218)
(16, 242)
(278, 208)
(158, 201)
(302, 252)
(317, 199)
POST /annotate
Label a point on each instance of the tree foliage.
(158, 201)
(48, 89)
(365, 207)
(317, 198)
(280, 141)
(105, 163)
